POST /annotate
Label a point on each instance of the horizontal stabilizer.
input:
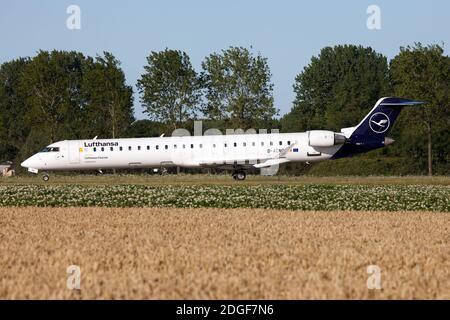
(400, 102)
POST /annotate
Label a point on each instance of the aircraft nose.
(26, 163)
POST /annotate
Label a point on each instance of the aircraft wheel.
(240, 175)
(46, 177)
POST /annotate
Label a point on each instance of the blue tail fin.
(371, 132)
(379, 121)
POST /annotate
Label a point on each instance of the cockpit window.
(50, 149)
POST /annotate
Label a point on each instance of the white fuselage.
(187, 151)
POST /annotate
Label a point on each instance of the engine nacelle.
(323, 138)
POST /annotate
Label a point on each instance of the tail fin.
(371, 132)
(379, 121)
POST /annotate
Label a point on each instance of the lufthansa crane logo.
(379, 122)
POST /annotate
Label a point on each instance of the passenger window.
(200, 145)
(139, 147)
(281, 143)
(148, 147)
(129, 148)
(184, 146)
(214, 145)
(120, 148)
(103, 149)
(174, 146)
(244, 144)
(235, 144)
(253, 144)
(289, 143)
(157, 147)
(95, 149)
(271, 143)
(262, 143)
(112, 149)
(192, 146)
(166, 147)
(225, 145)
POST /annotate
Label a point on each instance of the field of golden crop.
(222, 253)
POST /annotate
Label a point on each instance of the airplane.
(239, 153)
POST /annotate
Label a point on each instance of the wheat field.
(148, 253)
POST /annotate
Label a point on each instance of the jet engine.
(322, 138)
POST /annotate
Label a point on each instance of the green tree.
(145, 128)
(169, 88)
(238, 88)
(423, 73)
(13, 108)
(337, 88)
(108, 100)
(52, 86)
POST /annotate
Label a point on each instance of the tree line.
(66, 95)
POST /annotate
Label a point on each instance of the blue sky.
(288, 33)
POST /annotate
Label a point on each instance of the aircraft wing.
(271, 162)
(231, 161)
(247, 163)
(283, 152)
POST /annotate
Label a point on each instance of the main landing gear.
(239, 175)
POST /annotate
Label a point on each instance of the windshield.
(50, 149)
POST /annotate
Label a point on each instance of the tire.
(45, 177)
(240, 175)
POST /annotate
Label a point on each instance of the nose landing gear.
(45, 177)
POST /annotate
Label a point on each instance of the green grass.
(206, 179)
(203, 190)
(282, 196)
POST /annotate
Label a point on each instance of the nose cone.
(26, 163)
